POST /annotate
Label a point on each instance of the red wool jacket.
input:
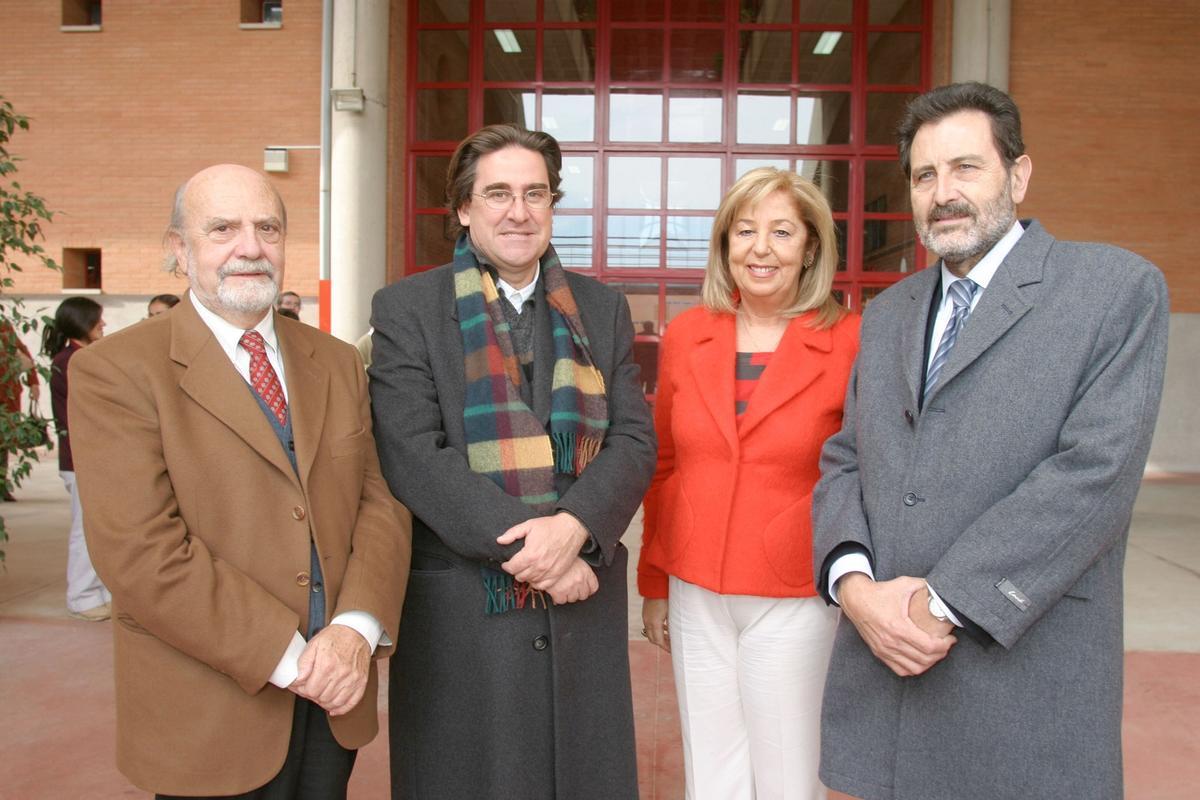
(729, 508)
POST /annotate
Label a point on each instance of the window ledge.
(79, 28)
(260, 26)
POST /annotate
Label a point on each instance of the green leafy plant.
(22, 217)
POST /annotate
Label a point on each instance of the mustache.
(244, 266)
(956, 209)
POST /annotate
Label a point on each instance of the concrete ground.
(56, 694)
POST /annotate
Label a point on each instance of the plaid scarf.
(505, 440)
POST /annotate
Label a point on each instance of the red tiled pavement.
(56, 697)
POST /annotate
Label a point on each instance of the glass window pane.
(445, 11)
(681, 297)
(840, 227)
(568, 11)
(577, 182)
(687, 241)
(637, 10)
(884, 110)
(832, 176)
(637, 55)
(765, 57)
(569, 55)
(889, 245)
(572, 240)
(697, 10)
(697, 56)
(895, 12)
(634, 182)
(693, 183)
(824, 56)
(633, 241)
(434, 244)
(744, 165)
(886, 188)
(765, 11)
(763, 118)
(508, 105)
(510, 10)
(635, 117)
(894, 58)
(431, 181)
(823, 118)
(569, 116)
(442, 56)
(835, 11)
(695, 116)
(501, 62)
(869, 293)
(441, 114)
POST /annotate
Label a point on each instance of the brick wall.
(120, 117)
(1110, 100)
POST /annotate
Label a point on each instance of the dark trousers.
(316, 767)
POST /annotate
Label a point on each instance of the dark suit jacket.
(199, 526)
(515, 704)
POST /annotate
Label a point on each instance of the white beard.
(242, 296)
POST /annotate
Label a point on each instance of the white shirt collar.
(229, 335)
(983, 272)
(518, 296)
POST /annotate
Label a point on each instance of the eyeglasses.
(501, 199)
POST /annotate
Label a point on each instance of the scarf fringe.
(505, 594)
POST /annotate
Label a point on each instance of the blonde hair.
(814, 291)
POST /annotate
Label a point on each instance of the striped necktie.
(263, 377)
(962, 292)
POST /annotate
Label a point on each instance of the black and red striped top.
(749, 369)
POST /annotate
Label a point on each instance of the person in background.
(19, 364)
(160, 304)
(77, 323)
(750, 385)
(289, 301)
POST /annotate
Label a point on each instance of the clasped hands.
(549, 559)
(333, 669)
(893, 618)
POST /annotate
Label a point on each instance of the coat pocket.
(675, 520)
(787, 543)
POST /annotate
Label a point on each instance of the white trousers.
(84, 589)
(749, 675)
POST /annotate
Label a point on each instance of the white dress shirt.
(229, 336)
(982, 274)
(518, 296)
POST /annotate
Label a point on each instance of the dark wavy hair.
(74, 319)
(937, 104)
(460, 177)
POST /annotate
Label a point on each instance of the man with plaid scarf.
(510, 418)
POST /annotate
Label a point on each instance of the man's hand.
(333, 669)
(918, 612)
(578, 583)
(880, 612)
(654, 622)
(551, 546)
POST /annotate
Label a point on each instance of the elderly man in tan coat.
(256, 558)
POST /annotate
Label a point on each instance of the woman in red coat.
(751, 385)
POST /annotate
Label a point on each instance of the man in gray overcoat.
(510, 414)
(973, 512)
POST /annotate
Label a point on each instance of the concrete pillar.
(358, 191)
(980, 42)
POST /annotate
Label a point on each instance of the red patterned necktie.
(263, 377)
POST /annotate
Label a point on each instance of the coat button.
(541, 643)
(316, 587)
(302, 579)
(908, 416)
(298, 512)
(910, 499)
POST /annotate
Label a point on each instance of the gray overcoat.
(1011, 491)
(530, 703)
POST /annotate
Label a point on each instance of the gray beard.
(249, 298)
(989, 227)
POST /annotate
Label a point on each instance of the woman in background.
(77, 323)
(750, 386)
